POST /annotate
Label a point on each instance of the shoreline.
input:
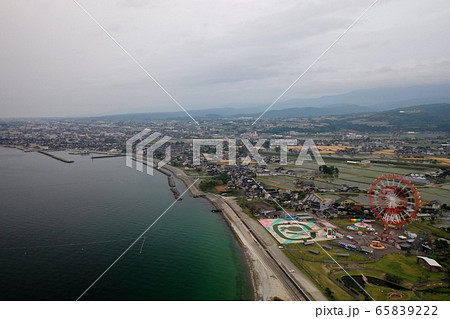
(171, 173)
(269, 276)
(195, 192)
(188, 181)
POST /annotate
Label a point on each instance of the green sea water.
(62, 225)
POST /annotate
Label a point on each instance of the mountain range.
(431, 117)
(355, 102)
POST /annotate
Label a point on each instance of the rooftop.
(430, 261)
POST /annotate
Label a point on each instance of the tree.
(254, 210)
(394, 278)
(441, 244)
(329, 170)
(329, 293)
(208, 184)
(224, 177)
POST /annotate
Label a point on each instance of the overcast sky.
(55, 61)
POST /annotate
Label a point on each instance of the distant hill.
(379, 99)
(354, 102)
(300, 112)
(431, 117)
(421, 118)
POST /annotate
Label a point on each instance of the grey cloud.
(134, 3)
(56, 61)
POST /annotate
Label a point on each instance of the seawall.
(56, 157)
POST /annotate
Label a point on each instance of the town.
(316, 212)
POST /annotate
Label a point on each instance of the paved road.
(260, 244)
(296, 283)
(282, 287)
(282, 260)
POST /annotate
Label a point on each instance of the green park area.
(405, 269)
(301, 251)
(392, 277)
(319, 274)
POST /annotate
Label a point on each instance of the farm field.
(354, 175)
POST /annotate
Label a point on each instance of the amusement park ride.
(395, 201)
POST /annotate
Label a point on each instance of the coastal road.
(276, 265)
(270, 280)
(300, 286)
(273, 268)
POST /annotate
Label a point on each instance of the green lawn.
(427, 292)
(372, 273)
(341, 222)
(377, 292)
(441, 293)
(318, 273)
(434, 232)
(394, 264)
(344, 222)
(381, 293)
(405, 267)
(303, 251)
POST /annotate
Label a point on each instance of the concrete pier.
(56, 157)
(106, 156)
(170, 179)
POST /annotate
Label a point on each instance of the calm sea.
(62, 225)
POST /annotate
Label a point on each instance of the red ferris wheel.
(394, 200)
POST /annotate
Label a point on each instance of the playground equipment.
(394, 294)
(360, 221)
(394, 200)
(377, 245)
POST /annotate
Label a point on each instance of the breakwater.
(56, 157)
(168, 173)
(173, 186)
(187, 180)
(106, 156)
(117, 204)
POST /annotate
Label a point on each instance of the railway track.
(291, 285)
